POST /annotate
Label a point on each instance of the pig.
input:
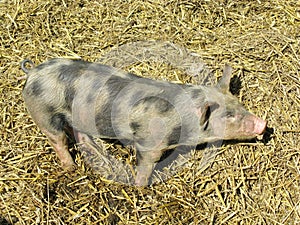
(96, 100)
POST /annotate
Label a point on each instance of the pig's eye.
(228, 114)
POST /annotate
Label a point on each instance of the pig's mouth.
(251, 127)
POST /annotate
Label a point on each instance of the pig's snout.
(255, 125)
(259, 126)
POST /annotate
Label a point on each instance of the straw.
(243, 183)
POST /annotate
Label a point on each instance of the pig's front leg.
(146, 161)
(85, 141)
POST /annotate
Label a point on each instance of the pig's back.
(65, 85)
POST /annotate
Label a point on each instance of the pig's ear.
(224, 82)
(205, 111)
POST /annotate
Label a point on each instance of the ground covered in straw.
(247, 183)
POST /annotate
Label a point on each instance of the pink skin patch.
(254, 125)
(259, 126)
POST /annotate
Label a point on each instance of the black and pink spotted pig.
(96, 100)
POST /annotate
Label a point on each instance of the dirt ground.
(247, 182)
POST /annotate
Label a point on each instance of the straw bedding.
(244, 183)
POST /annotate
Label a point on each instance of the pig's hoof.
(69, 167)
(141, 182)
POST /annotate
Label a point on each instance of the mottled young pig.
(100, 101)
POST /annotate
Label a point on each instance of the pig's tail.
(24, 67)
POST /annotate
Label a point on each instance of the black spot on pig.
(104, 124)
(90, 98)
(196, 93)
(156, 102)
(150, 99)
(174, 137)
(46, 64)
(95, 89)
(69, 97)
(97, 86)
(135, 126)
(164, 106)
(68, 73)
(114, 86)
(197, 97)
(58, 121)
(35, 88)
(50, 109)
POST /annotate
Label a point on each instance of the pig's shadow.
(268, 135)
(172, 155)
(235, 85)
(4, 222)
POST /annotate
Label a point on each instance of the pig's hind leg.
(53, 126)
(86, 142)
(59, 142)
(94, 154)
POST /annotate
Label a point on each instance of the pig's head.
(222, 117)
